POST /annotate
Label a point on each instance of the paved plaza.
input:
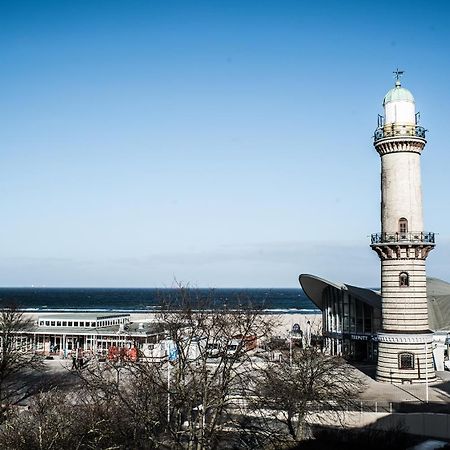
(438, 392)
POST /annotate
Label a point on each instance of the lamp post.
(168, 391)
(290, 349)
(172, 355)
(426, 372)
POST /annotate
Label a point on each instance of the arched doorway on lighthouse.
(403, 227)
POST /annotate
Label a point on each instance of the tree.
(212, 390)
(287, 395)
(17, 360)
(56, 419)
(192, 397)
(213, 363)
(130, 398)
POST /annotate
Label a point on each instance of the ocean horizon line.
(155, 309)
(149, 287)
(151, 299)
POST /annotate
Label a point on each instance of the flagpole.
(168, 391)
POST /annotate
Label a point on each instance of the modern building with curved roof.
(351, 315)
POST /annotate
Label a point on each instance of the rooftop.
(81, 316)
(131, 329)
(398, 94)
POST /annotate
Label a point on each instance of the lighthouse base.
(405, 358)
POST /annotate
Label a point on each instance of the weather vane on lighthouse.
(398, 74)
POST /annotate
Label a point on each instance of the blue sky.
(221, 143)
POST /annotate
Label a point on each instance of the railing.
(407, 406)
(411, 236)
(397, 130)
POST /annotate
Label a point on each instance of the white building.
(405, 340)
(61, 334)
(405, 330)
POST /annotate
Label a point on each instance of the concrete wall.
(401, 191)
(388, 367)
(405, 308)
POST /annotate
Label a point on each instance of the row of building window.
(403, 228)
(405, 359)
(66, 323)
(79, 323)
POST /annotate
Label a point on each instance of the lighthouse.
(405, 341)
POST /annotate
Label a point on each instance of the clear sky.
(221, 143)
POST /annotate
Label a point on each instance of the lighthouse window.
(403, 279)
(403, 226)
(406, 360)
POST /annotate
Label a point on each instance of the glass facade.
(349, 325)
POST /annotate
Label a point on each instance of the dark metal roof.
(314, 286)
(365, 295)
(438, 293)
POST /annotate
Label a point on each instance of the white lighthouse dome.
(398, 94)
(399, 106)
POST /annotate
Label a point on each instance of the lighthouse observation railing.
(411, 236)
(398, 130)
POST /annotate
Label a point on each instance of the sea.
(152, 299)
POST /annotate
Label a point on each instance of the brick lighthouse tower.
(404, 343)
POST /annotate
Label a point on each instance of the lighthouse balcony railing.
(410, 236)
(398, 130)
